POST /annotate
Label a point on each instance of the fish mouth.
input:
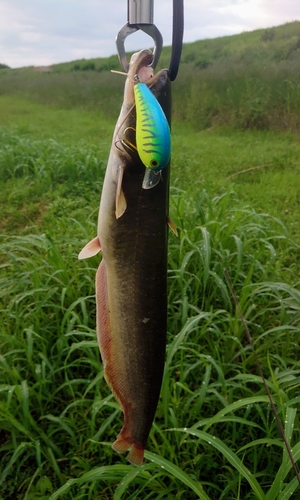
(140, 65)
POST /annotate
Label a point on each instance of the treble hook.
(140, 17)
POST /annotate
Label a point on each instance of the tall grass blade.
(129, 478)
(18, 452)
(178, 473)
(286, 439)
(277, 486)
(110, 473)
(230, 456)
(232, 407)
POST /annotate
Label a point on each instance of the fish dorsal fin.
(121, 203)
(151, 178)
(91, 249)
(172, 225)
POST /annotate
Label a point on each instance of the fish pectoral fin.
(151, 178)
(172, 226)
(91, 249)
(121, 203)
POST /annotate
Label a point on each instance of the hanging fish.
(131, 282)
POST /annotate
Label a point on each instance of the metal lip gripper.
(140, 17)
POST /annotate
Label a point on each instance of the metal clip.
(127, 30)
(140, 17)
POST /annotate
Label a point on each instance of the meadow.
(235, 199)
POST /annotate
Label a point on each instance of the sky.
(44, 32)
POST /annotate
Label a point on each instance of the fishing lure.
(152, 133)
(153, 138)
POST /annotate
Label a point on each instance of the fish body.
(153, 138)
(131, 281)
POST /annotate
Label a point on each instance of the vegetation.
(235, 201)
(245, 81)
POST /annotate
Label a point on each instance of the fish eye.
(154, 163)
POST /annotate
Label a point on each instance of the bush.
(88, 66)
(268, 36)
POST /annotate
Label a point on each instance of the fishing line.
(249, 338)
(177, 38)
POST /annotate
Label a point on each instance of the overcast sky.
(43, 32)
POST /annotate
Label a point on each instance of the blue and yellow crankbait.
(153, 138)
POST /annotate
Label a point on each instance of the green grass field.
(235, 199)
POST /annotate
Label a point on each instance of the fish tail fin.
(121, 444)
(136, 454)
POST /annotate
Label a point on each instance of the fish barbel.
(131, 281)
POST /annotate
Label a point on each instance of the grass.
(235, 201)
(57, 414)
(22, 117)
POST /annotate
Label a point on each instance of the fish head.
(139, 68)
